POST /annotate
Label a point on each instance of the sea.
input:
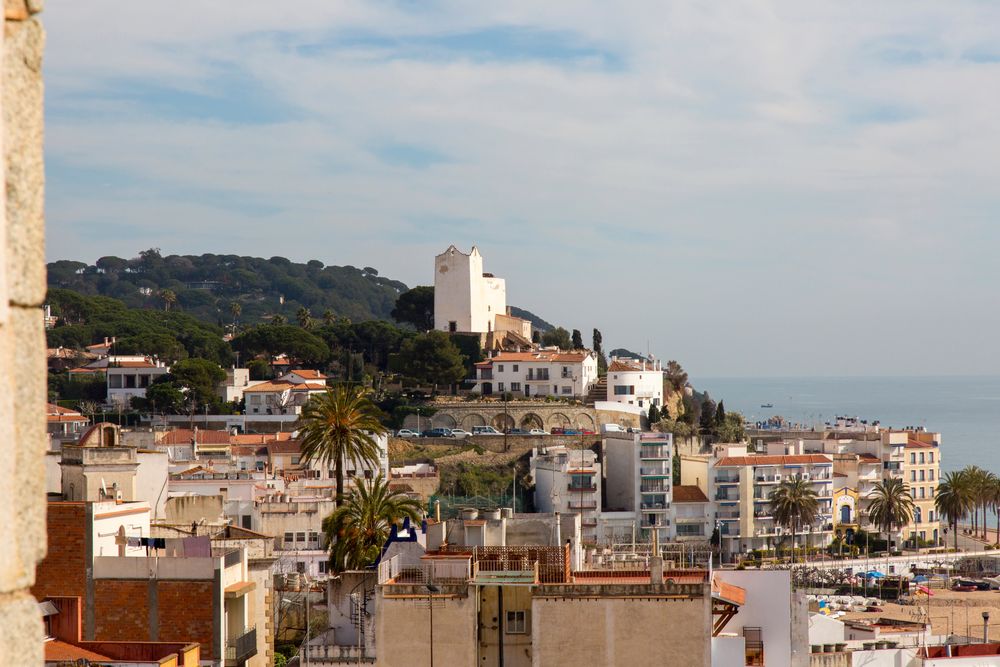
(964, 409)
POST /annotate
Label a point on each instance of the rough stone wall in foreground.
(22, 337)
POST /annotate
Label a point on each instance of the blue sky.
(752, 188)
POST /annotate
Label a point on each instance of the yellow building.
(922, 472)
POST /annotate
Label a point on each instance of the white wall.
(728, 651)
(151, 480)
(825, 630)
(648, 386)
(768, 606)
(109, 517)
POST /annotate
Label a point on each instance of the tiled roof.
(765, 460)
(286, 447)
(689, 494)
(308, 374)
(728, 592)
(258, 438)
(544, 356)
(283, 385)
(61, 652)
(183, 436)
(55, 413)
(623, 366)
(917, 444)
(868, 458)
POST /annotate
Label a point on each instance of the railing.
(243, 646)
(654, 452)
(727, 479)
(654, 470)
(537, 377)
(232, 557)
(653, 506)
(581, 488)
(505, 571)
(339, 653)
(582, 505)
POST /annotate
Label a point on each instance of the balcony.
(727, 479)
(654, 452)
(653, 486)
(242, 647)
(767, 479)
(581, 488)
(537, 377)
(655, 471)
(486, 374)
(582, 504)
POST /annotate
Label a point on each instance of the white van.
(612, 428)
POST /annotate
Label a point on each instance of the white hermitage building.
(635, 382)
(539, 373)
(467, 300)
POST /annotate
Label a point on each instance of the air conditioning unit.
(777, 478)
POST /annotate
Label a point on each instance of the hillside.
(207, 286)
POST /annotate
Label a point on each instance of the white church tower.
(466, 300)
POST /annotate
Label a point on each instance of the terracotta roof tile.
(623, 366)
(183, 436)
(689, 494)
(765, 460)
(59, 652)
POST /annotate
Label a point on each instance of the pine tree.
(577, 340)
(654, 414)
(720, 414)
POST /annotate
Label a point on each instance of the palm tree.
(954, 499)
(891, 506)
(279, 319)
(328, 317)
(356, 531)
(304, 318)
(340, 424)
(169, 298)
(236, 309)
(794, 504)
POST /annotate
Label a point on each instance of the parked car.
(485, 430)
(459, 433)
(558, 431)
(537, 431)
(517, 431)
(437, 433)
(612, 428)
(586, 431)
(965, 585)
(406, 433)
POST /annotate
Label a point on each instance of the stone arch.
(443, 420)
(559, 420)
(585, 421)
(473, 419)
(502, 422)
(531, 420)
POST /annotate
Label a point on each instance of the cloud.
(724, 150)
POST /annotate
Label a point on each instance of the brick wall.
(121, 610)
(63, 570)
(185, 613)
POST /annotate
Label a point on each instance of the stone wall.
(22, 337)
(517, 414)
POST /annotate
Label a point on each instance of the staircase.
(598, 392)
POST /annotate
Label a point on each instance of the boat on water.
(767, 405)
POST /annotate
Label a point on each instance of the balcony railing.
(727, 479)
(649, 471)
(653, 452)
(581, 488)
(242, 647)
(537, 377)
(582, 504)
(653, 486)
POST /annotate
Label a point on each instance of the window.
(930, 457)
(921, 492)
(452, 326)
(567, 390)
(515, 386)
(289, 538)
(295, 460)
(913, 458)
(913, 475)
(515, 368)
(930, 474)
(555, 389)
(300, 537)
(921, 475)
(921, 457)
(300, 567)
(500, 368)
(322, 566)
(516, 623)
(500, 386)
(313, 537)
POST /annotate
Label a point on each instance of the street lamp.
(431, 590)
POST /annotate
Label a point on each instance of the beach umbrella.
(874, 574)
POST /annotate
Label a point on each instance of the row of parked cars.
(462, 433)
(984, 584)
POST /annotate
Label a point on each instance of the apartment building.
(296, 522)
(134, 587)
(635, 382)
(568, 481)
(63, 423)
(638, 478)
(740, 483)
(693, 514)
(539, 373)
(922, 472)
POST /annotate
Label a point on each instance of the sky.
(753, 188)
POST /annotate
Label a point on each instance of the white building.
(285, 395)
(539, 373)
(635, 382)
(638, 474)
(466, 299)
(567, 481)
(127, 376)
(237, 381)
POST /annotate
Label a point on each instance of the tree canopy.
(416, 307)
(432, 357)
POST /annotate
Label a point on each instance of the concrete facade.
(465, 299)
(22, 336)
